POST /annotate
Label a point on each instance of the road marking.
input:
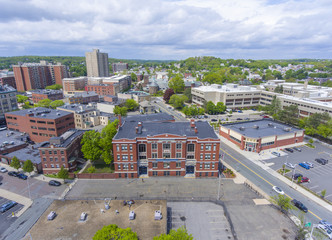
(262, 178)
(328, 195)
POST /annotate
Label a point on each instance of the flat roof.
(149, 129)
(40, 112)
(29, 152)
(154, 117)
(226, 88)
(266, 127)
(10, 139)
(46, 91)
(68, 137)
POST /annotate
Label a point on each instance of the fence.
(93, 175)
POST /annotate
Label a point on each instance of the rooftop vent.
(287, 129)
(58, 114)
(256, 126)
(242, 128)
(43, 115)
(270, 124)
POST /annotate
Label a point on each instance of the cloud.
(168, 29)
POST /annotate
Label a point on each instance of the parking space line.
(313, 187)
(328, 195)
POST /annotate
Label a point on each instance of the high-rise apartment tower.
(97, 64)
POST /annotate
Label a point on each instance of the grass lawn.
(100, 168)
(310, 145)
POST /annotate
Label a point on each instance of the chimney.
(196, 131)
(136, 130)
(139, 124)
(192, 123)
(120, 120)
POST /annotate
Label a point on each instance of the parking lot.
(245, 115)
(6, 218)
(37, 188)
(318, 175)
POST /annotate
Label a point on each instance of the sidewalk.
(256, 158)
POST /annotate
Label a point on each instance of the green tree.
(133, 77)
(187, 92)
(15, 163)
(323, 193)
(289, 115)
(54, 87)
(178, 101)
(56, 103)
(283, 202)
(91, 169)
(106, 138)
(167, 95)
(179, 234)
(22, 98)
(28, 166)
(91, 145)
(274, 107)
(131, 104)
(210, 107)
(63, 173)
(113, 232)
(213, 78)
(27, 105)
(176, 83)
(324, 130)
(44, 103)
(220, 107)
(120, 111)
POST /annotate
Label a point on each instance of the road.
(164, 108)
(265, 181)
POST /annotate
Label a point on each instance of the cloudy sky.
(168, 29)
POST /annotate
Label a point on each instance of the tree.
(213, 78)
(133, 77)
(120, 111)
(168, 93)
(54, 87)
(323, 193)
(178, 101)
(28, 166)
(115, 233)
(187, 92)
(210, 107)
(56, 103)
(91, 145)
(220, 107)
(176, 83)
(22, 98)
(289, 114)
(131, 104)
(15, 163)
(283, 202)
(63, 173)
(106, 138)
(44, 103)
(27, 105)
(179, 234)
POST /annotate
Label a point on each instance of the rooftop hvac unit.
(256, 126)
(287, 129)
(242, 128)
(43, 115)
(270, 124)
(58, 114)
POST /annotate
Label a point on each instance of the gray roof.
(10, 139)
(30, 152)
(155, 117)
(6, 88)
(78, 108)
(85, 94)
(46, 91)
(128, 130)
(64, 140)
(40, 112)
(261, 128)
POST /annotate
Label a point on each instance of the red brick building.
(61, 151)
(41, 94)
(103, 89)
(166, 149)
(84, 98)
(40, 123)
(38, 75)
(255, 136)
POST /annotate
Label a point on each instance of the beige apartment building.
(86, 116)
(234, 96)
(97, 64)
(72, 85)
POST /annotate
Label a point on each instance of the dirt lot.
(67, 226)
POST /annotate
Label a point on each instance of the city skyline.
(168, 29)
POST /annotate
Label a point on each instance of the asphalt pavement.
(264, 180)
(165, 108)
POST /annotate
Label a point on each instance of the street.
(165, 108)
(265, 181)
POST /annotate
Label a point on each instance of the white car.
(287, 164)
(276, 154)
(278, 190)
(2, 169)
(311, 165)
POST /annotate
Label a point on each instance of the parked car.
(326, 223)
(5, 207)
(276, 154)
(3, 170)
(289, 165)
(322, 161)
(240, 111)
(13, 173)
(297, 175)
(289, 150)
(22, 176)
(304, 165)
(214, 120)
(305, 179)
(83, 216)
(266, 117)
(206, 116)
(327, 231)
(297, 149)
(300, 205)
(310, 164)
(239, 119)
(51, 216)
(54, 183)
(278, 190)
(247, 119)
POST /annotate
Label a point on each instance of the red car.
(305, 179)
(266, 116)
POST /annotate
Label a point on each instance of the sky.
(168, 29)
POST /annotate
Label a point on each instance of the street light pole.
(293, 176)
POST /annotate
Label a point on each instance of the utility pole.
(220, 179)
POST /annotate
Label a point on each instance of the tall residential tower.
(97, 64)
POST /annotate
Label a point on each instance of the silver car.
(311, 165)
(289, 165)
